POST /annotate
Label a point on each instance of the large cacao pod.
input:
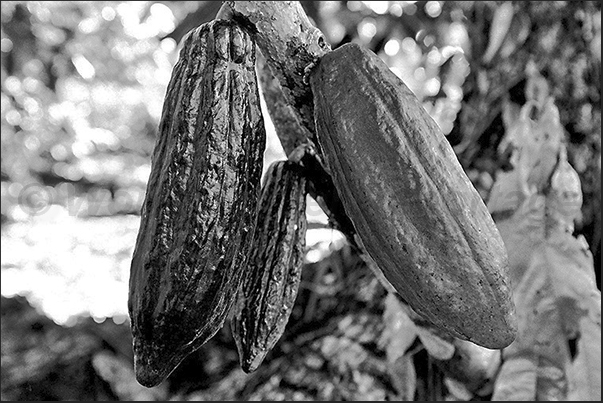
(201, 199)
(415, 211)
(273, 271)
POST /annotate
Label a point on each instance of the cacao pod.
(273, 271)
(415, 211)
(200, 204)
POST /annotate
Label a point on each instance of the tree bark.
(290, 44)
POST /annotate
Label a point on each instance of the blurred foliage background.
(82, 87)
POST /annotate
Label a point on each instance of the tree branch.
(287, 122)
(292, 133)
(289, 43)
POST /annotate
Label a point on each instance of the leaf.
(404, 377)
(572, 274)
(511, 113)
(458, 390)
(437, 347)
(581, 311)
(473, 365)
(501, 22)
(522, 233)
(547, 146)
(537, 87)
(541, 329)
(400, 331)
(366, 388)
(556, 297)
(553, 301)
(343, 353)
(551, 271)
(585, 372)
(516, 380)
(506, 194)
(360, 327)
(522, 138)
(552, 382)
(518, 33)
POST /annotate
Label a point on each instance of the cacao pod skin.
(415, 211)
(202, 195)
(273, 271)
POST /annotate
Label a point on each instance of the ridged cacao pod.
(273, 271)
(415, 211)
(201, 199)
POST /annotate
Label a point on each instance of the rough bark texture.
(289, 42)
(292, 133)
(201, 200)
(415, 210)
(286, 119)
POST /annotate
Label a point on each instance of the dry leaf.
(458, 390)
(404, 377)
(552, 276)
(437, 347)
(556, 299)
(585, 372)
(400, 331)
(516, 380)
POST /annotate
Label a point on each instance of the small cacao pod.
(415, 211)
(273, 271)
(201, 199)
